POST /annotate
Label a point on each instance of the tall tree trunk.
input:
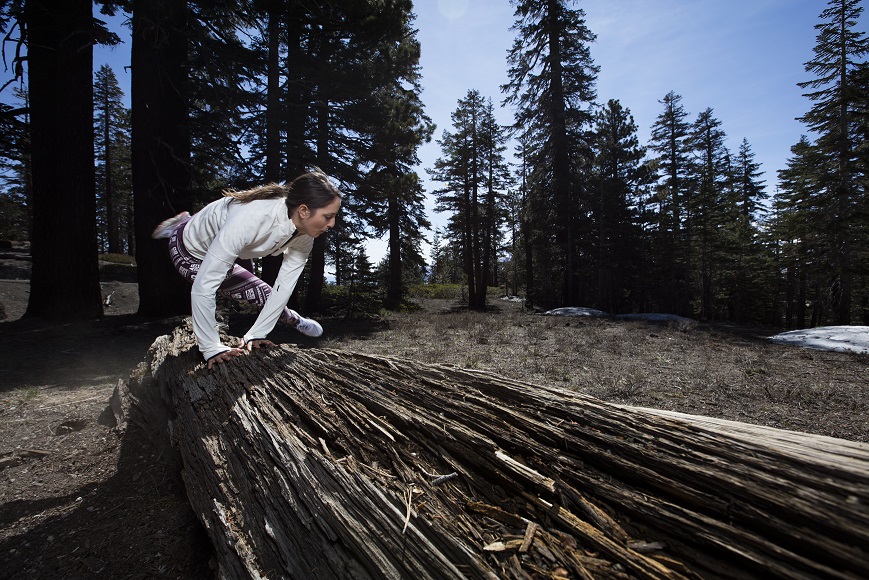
(468, 253)
(160, 148)
(271, 265)
(317, 261)
(64, 281)
(298, 96)
(525, 228)
(112, 229)
(394, 286)
(843, 298)
(561, 161)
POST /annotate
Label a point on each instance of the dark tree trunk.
(561, 161)
(161, 148)
(394, 287)
(271, 265)
(317, 260)
(320, 463)
(64, 282)
(529, 263)
(317, 270)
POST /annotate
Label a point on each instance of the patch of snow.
(575, 311)
(836, 338)
(512, 298)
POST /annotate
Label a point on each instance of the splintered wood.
(331, 464)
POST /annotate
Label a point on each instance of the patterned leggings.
(240, 283)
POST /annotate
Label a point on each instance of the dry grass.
(717, 371)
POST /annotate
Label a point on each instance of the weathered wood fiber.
(334, 464)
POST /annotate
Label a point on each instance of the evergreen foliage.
(114, 180)
(824, 184)
(551, 85)
(618, 248)
(16, 190)
(475, 177)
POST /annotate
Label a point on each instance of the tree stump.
(309, 463)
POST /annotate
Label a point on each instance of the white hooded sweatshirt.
(226, 230)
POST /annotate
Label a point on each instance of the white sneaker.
(165, 229)
(309, 327)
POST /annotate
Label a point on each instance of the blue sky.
(741, 58)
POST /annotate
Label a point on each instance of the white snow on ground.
(838, 338)
(582, 311)
(575, 311)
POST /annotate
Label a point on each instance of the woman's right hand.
(225, 356)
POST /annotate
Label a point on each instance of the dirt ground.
(80, 500)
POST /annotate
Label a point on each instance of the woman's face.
(317, 221)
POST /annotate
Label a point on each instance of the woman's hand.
(256, 343)
(225, 356)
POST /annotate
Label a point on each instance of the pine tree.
(398, 126)
(551, 84)
(709, 209)
(748, 283)
(114, 179)
(617, 242)
(494, 197)
(363, 296)
(15, 175)
(475, 177)
(799, 226)
(837, 98)
(223, 74)
(671, 244)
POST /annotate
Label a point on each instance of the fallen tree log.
(333, 464)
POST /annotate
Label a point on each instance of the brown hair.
(268, 191)
(313, 189)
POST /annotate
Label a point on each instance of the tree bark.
(332, 464)
(160, 148)
(65, 281)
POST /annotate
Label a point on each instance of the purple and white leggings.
(240, 283)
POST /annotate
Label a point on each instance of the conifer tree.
(551, 84)
(363, 297)
(671, 244)
(709, 208)
(15, 175)
(747, 284)
(839, 52)
(474, 175)
(114, 177)
(619, 249)
(494, 197)
(393, 191)
(161, 144)
(799, 226)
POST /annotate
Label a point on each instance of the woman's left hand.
(256, 343)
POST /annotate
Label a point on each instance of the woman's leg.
(184, 263)
(243, 285)
(240, 283)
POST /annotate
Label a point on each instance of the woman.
(272, 220)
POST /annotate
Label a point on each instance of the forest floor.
(82, 500)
